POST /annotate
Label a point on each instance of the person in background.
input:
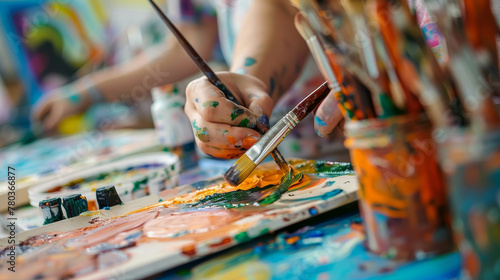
(132, 81)
(267, 66)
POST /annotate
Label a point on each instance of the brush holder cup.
(472, 166)
(402, 195)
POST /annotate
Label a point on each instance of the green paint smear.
(211, 104)
(254, 196)
(242, 237)
(224, 132)
(244, 123)
(324, 169)
(201, 133)
(138, 184)
(236, 113)
(269, 194)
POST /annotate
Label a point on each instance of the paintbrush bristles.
(239, 171)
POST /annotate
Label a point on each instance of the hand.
(327, 117)
(223, 129)
(57, 105)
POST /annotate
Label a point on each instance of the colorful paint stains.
(201, 133)
(187, 225)
(319, 121)
(212, 104)
(244, 123)
(332, 249)
(249, 61)
(236, 113)
(260, 188)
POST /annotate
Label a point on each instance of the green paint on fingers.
(213, 104)
(236, 113)
(244, 123)
(224, 132)
(201, 133)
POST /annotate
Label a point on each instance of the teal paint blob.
(249, 61)
(74, 98)
(329, 184)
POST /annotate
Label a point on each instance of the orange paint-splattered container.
(402, 193)
(472, 166)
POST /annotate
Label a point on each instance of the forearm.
(269, 47)
(165, 64)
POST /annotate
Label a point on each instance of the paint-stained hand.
(223, 129)
(52, 108)
(327, 117)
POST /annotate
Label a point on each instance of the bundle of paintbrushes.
(376, 52)
(389, 84)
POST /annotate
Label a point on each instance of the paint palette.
(49, 158)
(133, 177)
(159, 232)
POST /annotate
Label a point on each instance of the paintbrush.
(247, 163)
(210, 74)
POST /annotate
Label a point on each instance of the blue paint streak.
(329, 184)
(330, 194)
(319, 121)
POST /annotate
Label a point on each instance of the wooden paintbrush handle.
(308, 104)
(198, 60)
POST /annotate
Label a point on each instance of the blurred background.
(46, 44)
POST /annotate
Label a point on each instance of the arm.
(168, 63)
(270, 23)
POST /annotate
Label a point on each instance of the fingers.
(220, 140)
(261, 105)
(52, 120)
(222, 128)
(327, 117)
(41, 110)
(48, 115)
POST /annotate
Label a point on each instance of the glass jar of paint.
(472, 166)
(172, 124)
(402, 195)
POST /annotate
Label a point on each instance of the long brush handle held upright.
(198, 60)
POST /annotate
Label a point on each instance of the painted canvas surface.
(179, 225)
(332, 249)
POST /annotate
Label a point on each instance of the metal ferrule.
(272, 138)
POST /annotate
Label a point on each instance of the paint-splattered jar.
(172, 125)
(472, 166)
(402, 192)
